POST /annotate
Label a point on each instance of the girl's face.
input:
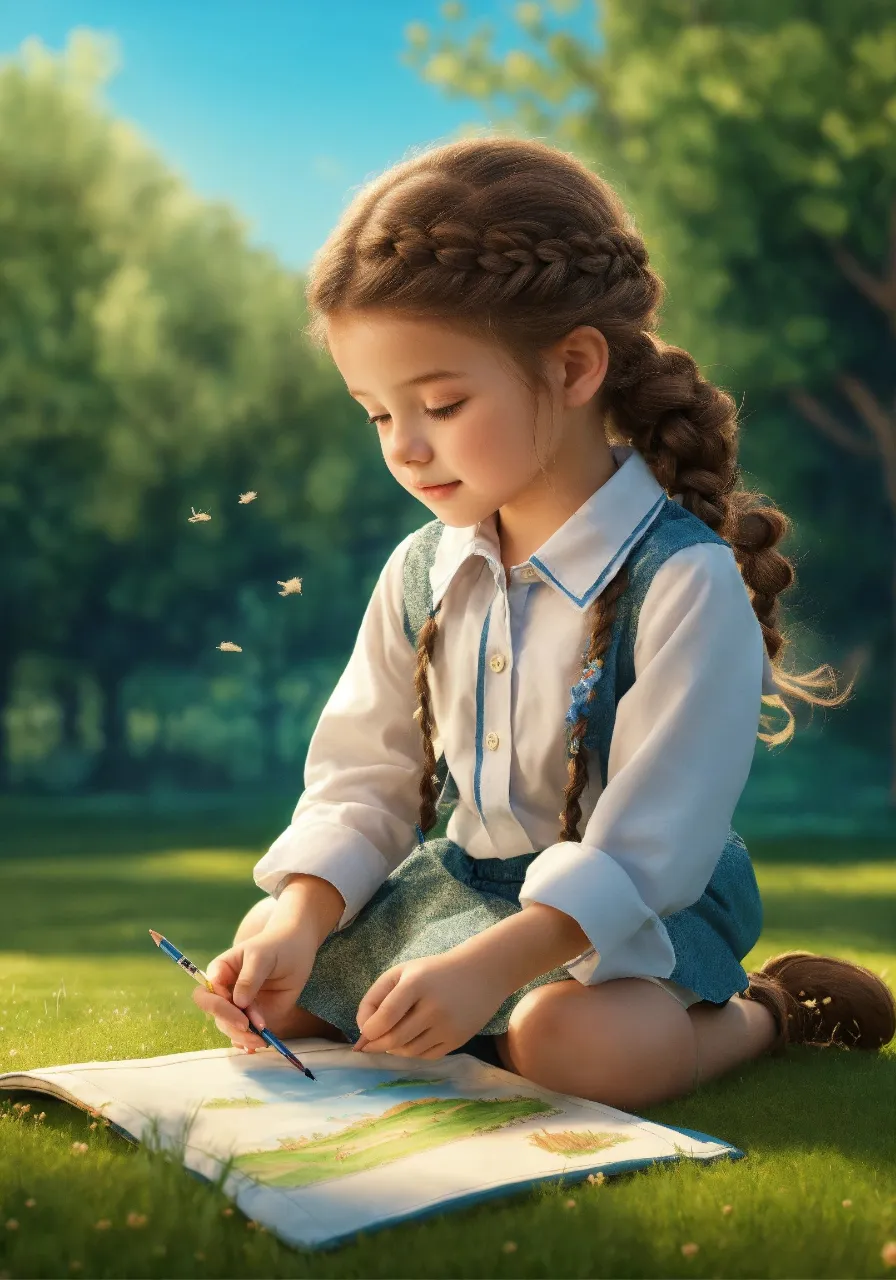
(476, 423)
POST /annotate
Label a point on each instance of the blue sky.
(280, 107)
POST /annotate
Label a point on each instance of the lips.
(438, 490)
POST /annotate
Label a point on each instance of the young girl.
(492, 308)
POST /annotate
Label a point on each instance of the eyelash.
(448, 411)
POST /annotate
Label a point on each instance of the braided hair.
(516, 242)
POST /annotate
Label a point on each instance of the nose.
(408, 444)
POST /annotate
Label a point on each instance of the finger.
(225, 968)
(253, 973)
(246, 1040)
(219, 1007)
(376, 993)
(437, 1051)
(412, 1025)
(391, 1010)
(418, 1046)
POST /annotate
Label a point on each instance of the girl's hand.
(263, 975)
(425, 1008)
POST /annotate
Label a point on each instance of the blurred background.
(169, 170)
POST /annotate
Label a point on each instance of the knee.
(534, 1026)
(255, 919)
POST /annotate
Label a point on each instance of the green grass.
(81, 980)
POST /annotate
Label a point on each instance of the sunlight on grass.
(82, 981)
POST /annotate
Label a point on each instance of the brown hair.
(517, 242)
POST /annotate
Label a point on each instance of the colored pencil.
(203, 979)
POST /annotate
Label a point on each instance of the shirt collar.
(580, 557)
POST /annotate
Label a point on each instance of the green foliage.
(151, 362)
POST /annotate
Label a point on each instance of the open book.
(373, 1140)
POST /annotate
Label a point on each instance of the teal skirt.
(439, 896)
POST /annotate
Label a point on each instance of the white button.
(491, 741)
(496, 662)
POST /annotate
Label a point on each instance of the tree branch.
(881, 292)
(815, 412)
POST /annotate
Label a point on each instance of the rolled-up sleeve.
(355, 820)
(680, 755)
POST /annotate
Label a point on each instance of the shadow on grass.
(810, 1100)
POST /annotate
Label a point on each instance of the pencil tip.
(308, 1074)
(156, 937)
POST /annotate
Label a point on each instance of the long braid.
(426, 641)
(601, 617)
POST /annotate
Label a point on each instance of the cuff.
(592, 887)
(343, 857)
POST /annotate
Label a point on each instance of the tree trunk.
(7, 666)
(114, 767)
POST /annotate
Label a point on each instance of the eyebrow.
(433, 376)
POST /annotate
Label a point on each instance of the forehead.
(379, 352)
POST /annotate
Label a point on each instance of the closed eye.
(448, 411)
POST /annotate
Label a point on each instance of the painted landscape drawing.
(406, 1128)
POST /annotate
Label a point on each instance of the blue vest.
(713, 935)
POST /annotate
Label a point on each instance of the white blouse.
(505, 659)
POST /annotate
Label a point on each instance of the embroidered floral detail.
(581, 695)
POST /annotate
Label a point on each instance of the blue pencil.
(187, 965)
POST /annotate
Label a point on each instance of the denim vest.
(713, 935)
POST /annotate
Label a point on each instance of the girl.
(491, 306)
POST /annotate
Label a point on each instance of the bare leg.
(727, 1036)
(299, 1021)
(628, 1043)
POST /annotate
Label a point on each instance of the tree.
(151, 361)
(757, 148)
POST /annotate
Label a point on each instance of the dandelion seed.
(103, 1225)
(227, 646)
(847, 1204)
(726, 1208)
(248, 497)
(888, 1253)
(136, 1219)
(198, 516)
(690, 1249)
(30, 1203)
(509, 1246)
(12, 1224)
(291, 587)
(826, 1000)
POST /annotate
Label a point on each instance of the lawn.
(816, 1195)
